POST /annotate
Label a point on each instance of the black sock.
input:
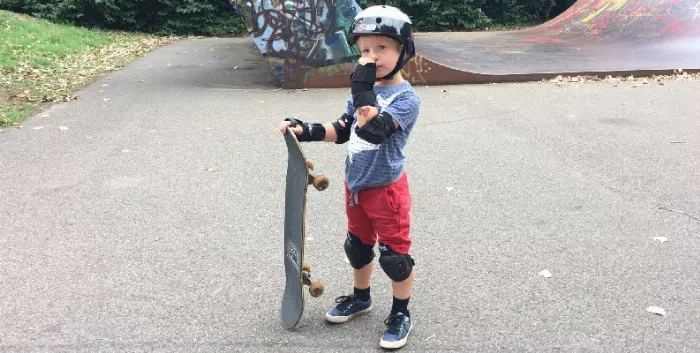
(400, 306)
(362, 294)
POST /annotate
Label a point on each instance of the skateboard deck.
(297, 270)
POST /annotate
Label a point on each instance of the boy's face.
(384, 51)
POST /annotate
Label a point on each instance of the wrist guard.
(310, 132)
(362, 85)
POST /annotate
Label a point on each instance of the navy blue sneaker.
(397, 330)
(348, 307)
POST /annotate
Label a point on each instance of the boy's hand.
(285, 124)
(364, 61)
(365, 114)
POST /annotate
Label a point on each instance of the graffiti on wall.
(312, 31)
(416, 70)
(604, 5)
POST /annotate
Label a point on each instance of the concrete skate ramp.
(593, 37)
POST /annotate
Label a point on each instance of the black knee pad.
(358, 254)
(397, 266)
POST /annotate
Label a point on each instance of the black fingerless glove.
(310, 132)
(362, 85)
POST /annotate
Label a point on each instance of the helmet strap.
(407, 53)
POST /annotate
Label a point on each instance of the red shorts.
(381, 213)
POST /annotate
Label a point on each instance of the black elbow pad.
(377, 130)
(343, 133)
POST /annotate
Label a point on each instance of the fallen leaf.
(545, 273)
(656, 310)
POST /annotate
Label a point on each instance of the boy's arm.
(376, 128)
(367, 114)
(337, 131)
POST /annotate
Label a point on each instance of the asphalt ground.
(147, 215)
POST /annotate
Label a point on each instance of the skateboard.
(297, 270)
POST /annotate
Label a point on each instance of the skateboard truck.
(315, 288)
(320, 182)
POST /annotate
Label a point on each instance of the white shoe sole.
(397, 344)
(344, 319)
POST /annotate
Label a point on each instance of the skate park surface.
(147, 215)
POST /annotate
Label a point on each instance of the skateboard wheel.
(309, 165)
(321, 182)
(316, 289)
(306, 267)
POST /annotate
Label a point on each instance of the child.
(377, 122)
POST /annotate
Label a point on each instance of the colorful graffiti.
(612, 18)
(310, 31)
(605, 5)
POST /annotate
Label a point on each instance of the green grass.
(51, 60)
(41, 43)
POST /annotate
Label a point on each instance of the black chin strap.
(397, 68)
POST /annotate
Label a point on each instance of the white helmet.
(389, 21)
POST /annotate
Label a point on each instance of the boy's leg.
(359, 249)
(390, 213)
(359, 244)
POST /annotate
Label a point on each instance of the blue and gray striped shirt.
(368, 165)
